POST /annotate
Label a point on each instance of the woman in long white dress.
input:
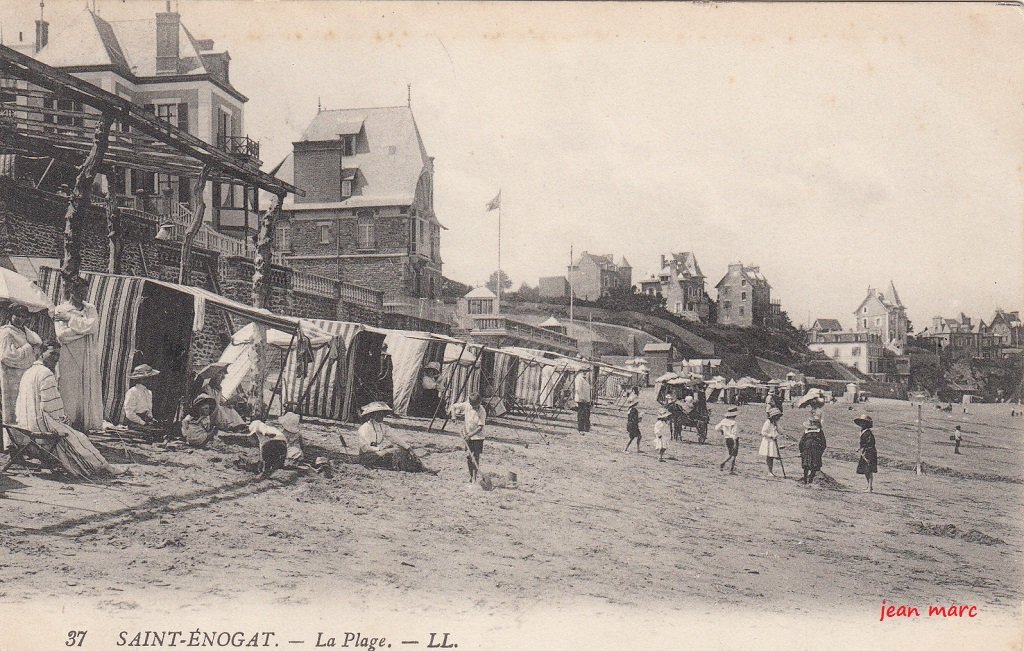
(770, 438)
(77, 325)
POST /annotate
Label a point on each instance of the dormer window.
(348, 145)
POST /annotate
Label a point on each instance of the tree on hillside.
(631, 299)
(525, 293)
(453, 288)
(492, 282)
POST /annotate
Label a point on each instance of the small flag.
(495, 203)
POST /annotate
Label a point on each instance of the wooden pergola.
(110, 132)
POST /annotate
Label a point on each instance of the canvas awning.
(203, 297)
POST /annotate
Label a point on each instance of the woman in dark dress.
(867, 464)
(812, 447)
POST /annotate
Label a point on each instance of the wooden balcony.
(242, 146)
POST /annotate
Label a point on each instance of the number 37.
(75, 638)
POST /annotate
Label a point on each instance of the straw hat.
(664, 413)
(731, 412)
(202, 399)
(433, 366)
(289, 422)
(374, 408)
(864, 420)
(143, 371)
(774, 412)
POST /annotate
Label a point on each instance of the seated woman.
(379, 447)
(197, 427)
(138, 404)
(39, 408)
(225, 417)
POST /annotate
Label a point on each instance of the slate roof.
(481, 292)
(827, 324)
(752, 274)
(392, 165)
(685, 263)
(129, 46)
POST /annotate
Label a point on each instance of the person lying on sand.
(379, 447)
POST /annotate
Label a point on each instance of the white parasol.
(19, 290)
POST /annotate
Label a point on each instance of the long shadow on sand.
(156, 507)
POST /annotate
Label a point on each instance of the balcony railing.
(422, 308)
(240, 146)
(498, 324)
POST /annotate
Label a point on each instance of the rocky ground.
(590, 548)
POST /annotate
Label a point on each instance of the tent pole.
(280, 376)
(458, 395)
(430, 427)
(305, 393)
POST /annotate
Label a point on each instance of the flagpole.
(570, 283)
(499, 252)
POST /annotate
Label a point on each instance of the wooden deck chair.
(31, 449)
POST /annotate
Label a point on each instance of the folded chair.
(31, 449)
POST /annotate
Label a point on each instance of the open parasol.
(19, 290)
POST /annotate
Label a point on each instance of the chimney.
(42, 34)
(167, 52)
(662, 260)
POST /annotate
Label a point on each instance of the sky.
(835, 146)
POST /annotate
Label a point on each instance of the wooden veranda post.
(198, 209)
(78, 202)
(115, 239)
(264, 254)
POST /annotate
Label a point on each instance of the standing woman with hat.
(19, 347)
(867, 464)
(770, 438)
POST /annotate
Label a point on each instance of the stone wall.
(32, 224)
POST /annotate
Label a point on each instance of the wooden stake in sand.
(918, 469)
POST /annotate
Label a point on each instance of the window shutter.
(183, 116)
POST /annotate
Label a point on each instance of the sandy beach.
(586, 528)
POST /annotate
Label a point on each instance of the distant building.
(593, 276)
(368, 214)
(884, 316)
(1007, 331)
(658, 358)
(158, 64)
(554, 287)
(826, 325)
(681, 283)
(478, 318)
(745, 297)
(861, 350)
(959, 335)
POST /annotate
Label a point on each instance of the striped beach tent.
(117, 300)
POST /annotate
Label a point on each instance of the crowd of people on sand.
(53, 387)
(812, 443)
